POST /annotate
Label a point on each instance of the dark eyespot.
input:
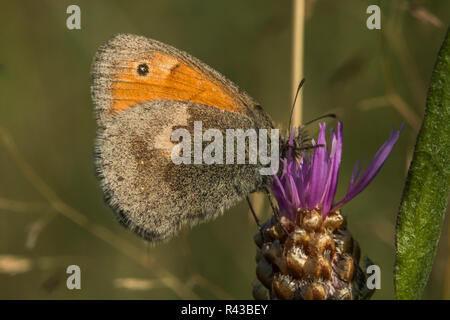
(142, 69)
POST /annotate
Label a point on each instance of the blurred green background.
(51, 210)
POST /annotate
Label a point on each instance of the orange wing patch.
(165, 78)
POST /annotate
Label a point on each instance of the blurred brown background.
(51, 209)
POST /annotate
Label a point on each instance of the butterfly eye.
(142, 69)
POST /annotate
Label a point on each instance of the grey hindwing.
(150, 194)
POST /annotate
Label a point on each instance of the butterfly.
(143, 90)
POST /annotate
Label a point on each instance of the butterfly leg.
(253, 213)
(276, 213)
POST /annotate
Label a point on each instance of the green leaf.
(425, 195)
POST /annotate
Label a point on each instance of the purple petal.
(278, 186)
(319, 169)
(294, 193)
(372, 169)
(336, 154)
(355, 175)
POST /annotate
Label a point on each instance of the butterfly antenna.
(295, 100)
(328, 115)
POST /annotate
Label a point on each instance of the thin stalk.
(297, 57)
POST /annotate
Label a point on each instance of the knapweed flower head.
(310, 182)
(308, 252)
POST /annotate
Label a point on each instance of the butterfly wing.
(136, 116)
(131, 69)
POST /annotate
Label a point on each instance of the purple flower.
(311, 181)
